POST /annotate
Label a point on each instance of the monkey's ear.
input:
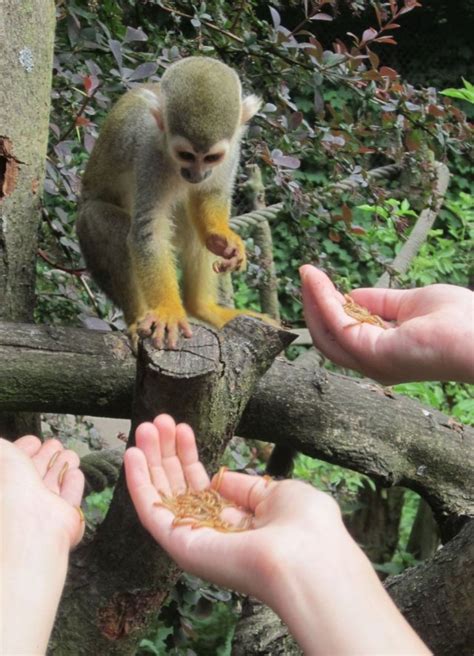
(250, 106)
(158, 116)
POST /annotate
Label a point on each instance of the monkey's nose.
(194, 176)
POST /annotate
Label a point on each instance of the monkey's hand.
(230, 247)
(163, 324)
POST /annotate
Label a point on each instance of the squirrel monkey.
(160, 180)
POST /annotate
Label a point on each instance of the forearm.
(335, 604)
(32, 575)
(209, 212)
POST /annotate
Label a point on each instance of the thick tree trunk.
(27, 37)
(118, 581)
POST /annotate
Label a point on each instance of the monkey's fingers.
(163, 328)
(168, 333)
(230, 247)
(133, 337)
(236, 263)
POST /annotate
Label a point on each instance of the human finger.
(315, 286)
(147, 439)
(243, 490)
(347, 341)
(143, 493)
(71, 491)
(29, 444)
(72, 487)
(54, 477)
(383, 302)
(194, 471)
(47, 455)
(169, 457)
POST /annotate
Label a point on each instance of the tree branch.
(418, 235)
(347, 421)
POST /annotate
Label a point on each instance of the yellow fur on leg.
(218, 316)
(164, 317)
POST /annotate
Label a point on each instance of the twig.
(81, 110)
(238, 12)
(420, 230)
(74, 272)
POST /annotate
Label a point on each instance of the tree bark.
(424, 535)
(374, 525)
(437, 597)
(357, 424)
(27, 36)
(118, 581)
(260, 632)
(350, 422)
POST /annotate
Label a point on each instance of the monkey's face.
(196, 165)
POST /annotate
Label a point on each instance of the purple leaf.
(285, 161)
(50, 187)
(116, 50)
(369, 34)
(135, 34)
(94, 323)
(144, 70)
(337, 140)
(269, 108)
(89, 141)
(295, 120)
(322, 17)
(94, 68)
(275, 17)
(55, 129)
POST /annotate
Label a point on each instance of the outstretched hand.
(40, 492)
(431, 337)
(42, 489)
(166, 463)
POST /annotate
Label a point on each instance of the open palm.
(430, 337)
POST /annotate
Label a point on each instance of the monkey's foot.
(228, 245)
(218, 316)
(164, 326)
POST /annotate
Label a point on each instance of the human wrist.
(305, 577)
(333, 585)
(29, 606)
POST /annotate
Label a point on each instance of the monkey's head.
(202, 112)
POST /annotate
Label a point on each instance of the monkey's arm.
(210, 212)
(154, 266)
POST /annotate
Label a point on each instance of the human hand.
(41, 490)
(432, 340)
(293, 523)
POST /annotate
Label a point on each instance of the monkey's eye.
(215, 157)
(186, 156)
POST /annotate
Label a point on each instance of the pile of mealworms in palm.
(361, 313)
(203, 508)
